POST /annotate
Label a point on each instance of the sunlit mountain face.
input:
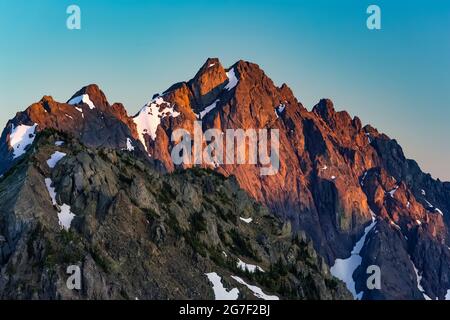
(202, 162)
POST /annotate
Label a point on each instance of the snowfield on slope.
(20, 138)
(82, 99)
(220, 293)
(343, 269)
(65, 215)
(257, 292)
(232, 80)
(149, 118)
(55, 158)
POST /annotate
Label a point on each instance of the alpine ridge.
(345, 187)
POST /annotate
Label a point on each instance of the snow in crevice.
(82, 99)
(435, 209)
(419, 279)
(447, 296)
(248, 267)
(343, 269)
(149, 118)
(59, 143)
(51, 190)
(65, 215)
(220, 293)
(232, 80)
(363, 179)
(130, 146)
(207, 109)
(20, 138)
(257, 292)
(279, 110)
(393, 191)
(246, 220)
(55, 158)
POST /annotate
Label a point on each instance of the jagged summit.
(338, 182)
(91, 95)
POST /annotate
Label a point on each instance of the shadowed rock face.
(334, 173)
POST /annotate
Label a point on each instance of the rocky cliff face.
(138, 234)
(347, 188)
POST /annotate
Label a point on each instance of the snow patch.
(363, 179)
(447, 296)
(51, 190)
(149, 118)
(208, 109)
(20, 138)
(248, 267)
(393, 191)
(435, 209)
(246, 220)
(82, 99)
(419, 279)
(65, 216)
(129, 145)
(343, 269)
(59, 143)
(279, 110)
(55, 158)
(256, 291)
(232, 80)
(220, 293)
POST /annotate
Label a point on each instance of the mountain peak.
(95, 94)
(324, 108)
(208, 82)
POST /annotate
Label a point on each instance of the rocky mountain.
(136, 233)
(343, 186)
(87, 116)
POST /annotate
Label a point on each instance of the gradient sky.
(397, 79)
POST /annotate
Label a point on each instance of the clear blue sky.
(397, 79)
